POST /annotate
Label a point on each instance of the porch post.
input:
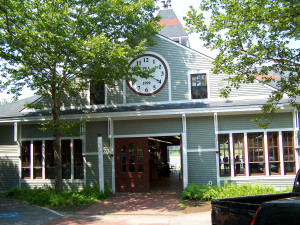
(184, 153)
(100, 163)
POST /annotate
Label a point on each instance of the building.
(179, 106)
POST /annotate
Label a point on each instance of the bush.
(48, 196)
(207, 193)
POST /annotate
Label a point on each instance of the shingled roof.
(173, 27)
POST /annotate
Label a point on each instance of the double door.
(132, 164)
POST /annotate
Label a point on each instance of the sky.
(181, 7)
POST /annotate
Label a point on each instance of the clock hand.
(159, 81)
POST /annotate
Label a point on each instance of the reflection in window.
(224, 160)
(256, 153)
(66, 158)
(78, 159)
(199, 86)
(274, 158)
(37, 159)
(288, 152)
(49, 159)
(25, 159)
(131, 157)
(97, 93)
(238, 149)
(140, 158)
(123, 159)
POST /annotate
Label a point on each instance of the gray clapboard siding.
(67, 184)
(245, 90)
(92, 130)
(33, 131)
(7, 135)
(115, 93)
(277, 183)
(243, 122)
(202, 167)
(148, 126)
(200, 132)
(92, 170)
(9, 150)
(9, 175)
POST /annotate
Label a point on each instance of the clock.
(154, 83)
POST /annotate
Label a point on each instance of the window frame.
(243, 153)
(191, 82)
(37, 158)
(28, 162)
(93, 91)
(228, 163)
(293, 151)
(278, 153)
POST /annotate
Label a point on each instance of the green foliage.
(252, 34)
(207, 193)
(49, 197)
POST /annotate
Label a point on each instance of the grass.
(49, 198)
(207, 193)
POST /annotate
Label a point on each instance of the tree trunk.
(57, 150)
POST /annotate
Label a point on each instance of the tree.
(253, 38)
(57, 47)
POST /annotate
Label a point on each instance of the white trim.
(51, 181)
(246, 154)
(43, 160)
(266, 155)
(15, 131)
(146, 135)
(100, 163)
(231, 155)
(112, 149)
(201, 150)
(184, 152)
(281, 153)
(9, 155)
(256, 130)
(262, 177)
(199, 71)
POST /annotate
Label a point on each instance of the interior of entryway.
(148, 164)
(165, 163)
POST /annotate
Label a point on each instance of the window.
(239, 156)
(37, 169)
(199, 86)
(274, 157)
(66, 159)
(97, 93)
(25, 151)
(37, 159)
(224, 155)
(78, 159)
(256, 153)
(49, 160)
(288, 153)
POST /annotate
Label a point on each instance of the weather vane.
(165, 4)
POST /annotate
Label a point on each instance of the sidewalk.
(136, 209)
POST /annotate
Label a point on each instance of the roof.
(173, 27)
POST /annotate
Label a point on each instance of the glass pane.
(37, 173)
(37, 153)
(123, 159)
(274, 168)
(66, 158)
(289, 167)
(49, 159)
(257, 168)
(194, 80)
(25, 150)
(50, 173)
(78, 159)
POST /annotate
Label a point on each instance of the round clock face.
(154, 83)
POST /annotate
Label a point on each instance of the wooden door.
(132, 164)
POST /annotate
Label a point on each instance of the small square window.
(199, 86)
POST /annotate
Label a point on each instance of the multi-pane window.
(97, 93)
(26, 162)
(66, 159)
(78, 159)
(256, 153)
(49, 159)
(262, 155)
(37, 159)
(239, 156)
(199, 86)
(45, 159)
(224, 155)
(288, 152)
(274, 153)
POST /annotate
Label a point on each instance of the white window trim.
(190, 72)
(44, 158)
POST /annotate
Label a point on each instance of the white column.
(266, 153)
(231, 154)
(184, 153)
(246, 155)
(100, 162)
(216, 125)
(31, 160)
(281, 153)
(296, 138)
(112, 150)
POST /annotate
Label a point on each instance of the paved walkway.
(136, 209)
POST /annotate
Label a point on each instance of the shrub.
(207, 193)
(48, 196)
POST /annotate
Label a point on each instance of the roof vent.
(166, 4)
